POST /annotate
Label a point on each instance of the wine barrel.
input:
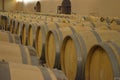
(7, 28)
(50, 19)
(64, 20)
(41, 35)
(0, 22)
(107, 20)
(14, 71)
(44, 18)
(104, 26)
(12, 24)
(8, 37)
(74, 50)
(91, 18)
(116, 20)
(15, 24)
(103, 62)
(96, 25)
(4, 21)
(53, 43)
(115, 26)
(18, 53)
(23, 34)
(30, 36)
(31, 33)
(19, 28)
(56, 19)
(27, 32)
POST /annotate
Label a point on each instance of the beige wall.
(9, 5)
(100, 7)
(109, 7)
(49, 6)
(0, 4)
(83, 7)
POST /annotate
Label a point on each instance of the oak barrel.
(30, 36)
(14, 28)
(115, 26)
(19, 28)
(18, 53)
(96, 25)
(53, 43)
(31, 33)
(23, 34)
(12, 24)
(8, 37)
(15, 71)
(4, 22)
(41, 35)
(74, 50)
(103, 62)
